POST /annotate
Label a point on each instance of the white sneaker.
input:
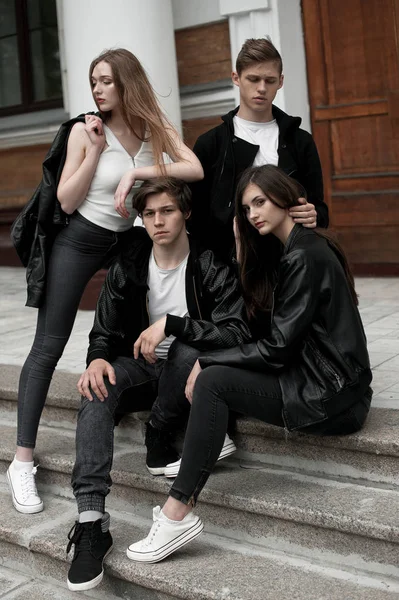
(229, 447)
(165, 537)
(23, 489)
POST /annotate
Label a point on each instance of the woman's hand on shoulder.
(95, 132)
(305, 213)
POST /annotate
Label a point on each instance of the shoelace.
(28, 483)
(80, 536)
(151, 535)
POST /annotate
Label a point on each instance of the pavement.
(379, 308)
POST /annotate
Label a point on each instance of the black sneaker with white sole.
(160, 451)
(93, 542)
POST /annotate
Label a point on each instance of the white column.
(281, 20)
(144, 27)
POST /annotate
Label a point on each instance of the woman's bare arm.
(187, 168)
(85, 144)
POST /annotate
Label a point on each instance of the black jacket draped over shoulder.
(224, 157)
(34, 230)
(215, 307)
(317, 346)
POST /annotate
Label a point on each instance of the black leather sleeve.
(225, 325)
(293, 314)
(108, 331)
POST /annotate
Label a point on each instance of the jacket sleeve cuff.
(215, 357)
(96, 354)
(174, 326)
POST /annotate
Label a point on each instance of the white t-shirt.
(264, 135)
(167, 294)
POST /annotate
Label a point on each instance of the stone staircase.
(289, 517)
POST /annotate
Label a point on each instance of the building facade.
(341, 66)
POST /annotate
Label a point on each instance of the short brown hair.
(173, 187)
(258, 50)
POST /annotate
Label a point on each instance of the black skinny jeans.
(78, 252)
(218, 390)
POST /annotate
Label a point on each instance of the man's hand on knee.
(93, 378)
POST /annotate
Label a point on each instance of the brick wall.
(203, 53)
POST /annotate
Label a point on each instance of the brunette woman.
(130, 141)
(311, 373)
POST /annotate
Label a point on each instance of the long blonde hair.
(138, 100)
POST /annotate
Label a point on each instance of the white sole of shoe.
(26, 510)
(183, 539)
(156, 471)
(88, 585)
(227, 450)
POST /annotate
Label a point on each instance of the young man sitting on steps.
(162, 303)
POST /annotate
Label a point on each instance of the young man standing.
(163, 302)
(255, 133)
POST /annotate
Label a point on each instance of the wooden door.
(352, 51)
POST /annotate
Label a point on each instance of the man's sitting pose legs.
(163, 302)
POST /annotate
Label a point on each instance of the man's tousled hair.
(173, 187)
(256, 51)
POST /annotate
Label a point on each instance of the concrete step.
(346, 522)
(210, 568)
(17, 585)
(369, 455)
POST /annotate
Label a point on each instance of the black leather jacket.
(317, 345)
(224, 157)
(216, 310)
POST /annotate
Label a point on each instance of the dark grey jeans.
(78, 252)
(139, 385)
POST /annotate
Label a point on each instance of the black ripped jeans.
(139, 386)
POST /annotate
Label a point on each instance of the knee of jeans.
(49, 349)
(182, 352)
(93, 409)
(211, 377)
(208, 381)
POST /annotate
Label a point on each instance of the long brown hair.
(260, 255)
(138, 100)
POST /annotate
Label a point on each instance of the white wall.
(143, 27)
(292, 48)
(189, 13)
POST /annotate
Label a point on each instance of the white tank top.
(98, 207)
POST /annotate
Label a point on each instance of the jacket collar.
(285, 122)
(136, 253)
(297, 233)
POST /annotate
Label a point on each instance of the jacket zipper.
(146, 306)
(325, 363)
(272, 312)
(196, 298)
